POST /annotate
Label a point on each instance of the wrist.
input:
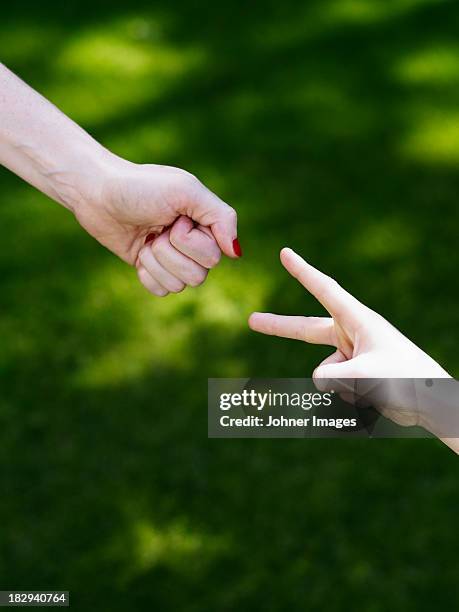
(81, 182)
(437, 405)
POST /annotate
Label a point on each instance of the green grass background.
(333, 127)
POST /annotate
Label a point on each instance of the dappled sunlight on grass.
(116, 67)
(436, 65)
(335, 111)
(365, 12)
(387, 246)
(174, 546)
(433, 135)
(386, 239)
(315, 19)
(332, 127)
(37, 235)
(159, 333)
(108, 54)
(26, 40)
(121, 52)
(156, 140)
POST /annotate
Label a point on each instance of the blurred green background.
(333, 127)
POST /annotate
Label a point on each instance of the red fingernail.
(150, 238)
(237, 248)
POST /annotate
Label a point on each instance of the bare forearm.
(44, 147)
(439, 409)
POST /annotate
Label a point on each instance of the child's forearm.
(438, 405)
(44, 147)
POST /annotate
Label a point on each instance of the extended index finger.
(325, 289)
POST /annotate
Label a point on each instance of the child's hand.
(181, 256)
(367, 346)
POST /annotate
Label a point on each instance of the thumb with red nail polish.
(207, 209)
(237, 248)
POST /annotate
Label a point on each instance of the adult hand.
(163, 220)
(121, 204)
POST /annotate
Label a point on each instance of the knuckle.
(176, 287)
(143, 256)
(142, 275)
(177, 236)
(157, 246)
(150, 284)
(160, 292)
(232, 215)
(188, 180)
(198, 278)
(213, 259)
(181, 240)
